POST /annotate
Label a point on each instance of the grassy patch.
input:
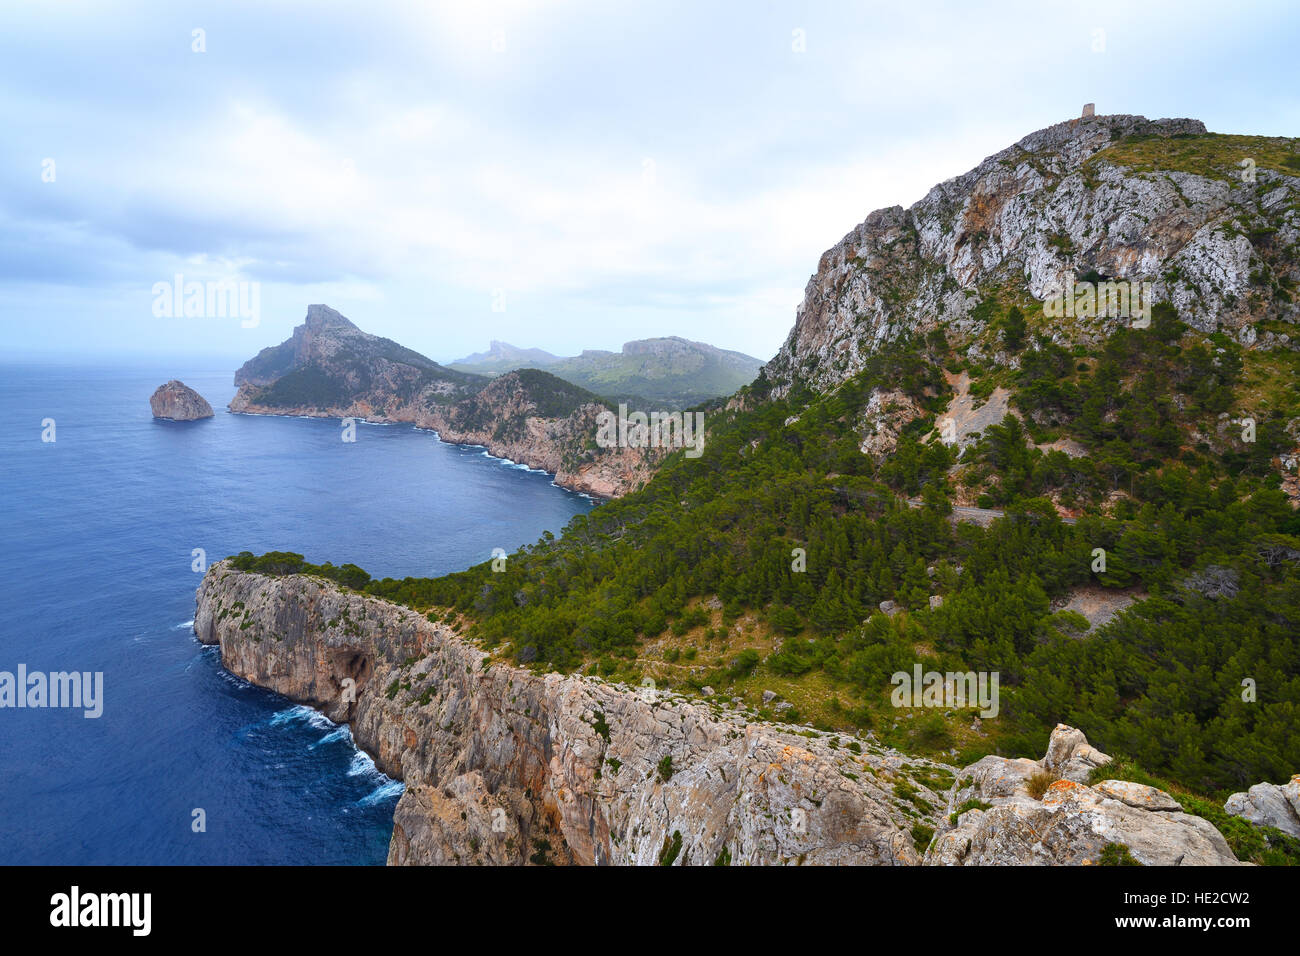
(1213, 155)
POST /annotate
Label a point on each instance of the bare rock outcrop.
(1070, 756)
(178, 402)
(1072, 823)
(883, 419)
(1269, 805)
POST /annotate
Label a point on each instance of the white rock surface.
(1073, 822)
(1269, 804)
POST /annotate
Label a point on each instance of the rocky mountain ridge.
(670, 371)
(543, 422)
(1216, 238)
(502, 357)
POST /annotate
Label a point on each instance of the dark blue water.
(96, 535)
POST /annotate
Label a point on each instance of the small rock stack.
(178, 402)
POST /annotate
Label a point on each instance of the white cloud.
(392, 159)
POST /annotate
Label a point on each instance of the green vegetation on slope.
(664, 373)
(699, 579)
(504, 406)
(1213, 155)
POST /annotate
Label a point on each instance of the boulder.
(1270, 805)
(1073, 822)
(1138, 795)
(1070, 756)
(1071, 827)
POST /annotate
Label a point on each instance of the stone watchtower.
(1089, 109)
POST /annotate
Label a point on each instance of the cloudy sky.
(564, 175)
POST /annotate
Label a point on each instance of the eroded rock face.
(178, 402)
(1032, 217)
(1073, 822)
(505, 418)
(504, 766)
(1269, 804)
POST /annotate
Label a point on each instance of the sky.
(561, 175)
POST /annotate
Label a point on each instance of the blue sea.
(99, 529)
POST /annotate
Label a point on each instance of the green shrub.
(1117, 854)
(665, 768)
(971, 804)
(672, 847)
(921, 836)
(1037, 783)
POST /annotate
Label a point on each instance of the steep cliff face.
(544, 422)
(329, 368)
(506, 766)
(1121, 197)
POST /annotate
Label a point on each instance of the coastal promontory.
(329, 368)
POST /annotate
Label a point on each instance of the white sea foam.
(381, 793)
(342, 733)
(363, 765)
(225, 675)
(305, 714)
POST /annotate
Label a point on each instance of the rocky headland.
(504, 765)
(329, 368)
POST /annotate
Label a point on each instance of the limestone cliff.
(506, 766)
(544, 422)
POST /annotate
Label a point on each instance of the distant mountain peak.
(503, 353)
(329, 348)
(668, 370)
